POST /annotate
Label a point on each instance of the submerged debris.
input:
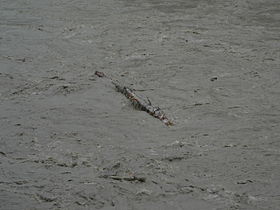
(138, 102)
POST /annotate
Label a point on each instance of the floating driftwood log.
(125, 178)
(137, 101)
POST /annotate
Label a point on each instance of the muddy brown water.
(70, 141)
